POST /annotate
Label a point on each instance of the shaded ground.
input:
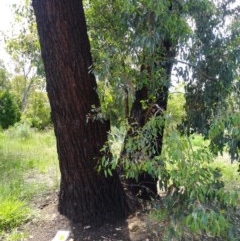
(138, 227)
(49, 221)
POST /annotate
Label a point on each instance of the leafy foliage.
(37, 113)
(214, 63)
(224, 134)
(133, 54)
(9, 111)
(28, 81)
(3, 77)
(194, 200)
(202, 42)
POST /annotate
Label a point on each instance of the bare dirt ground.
(48, 221)
(138, 227)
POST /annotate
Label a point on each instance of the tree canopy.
(199, 38)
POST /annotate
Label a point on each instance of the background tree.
(9, 111)
(214, 56)
(85, 195)
(4, 84)
(23, 47)
(37, 112)
(27, 82)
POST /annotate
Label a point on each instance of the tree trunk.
(26, 93)
(86, 196)
(145, 187)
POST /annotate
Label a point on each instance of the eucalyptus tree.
(9, 111)
(141, 38)
(139, 45)
(135, 45)
(85, 195)
(214, 64)
(4, 82)
(23, 47)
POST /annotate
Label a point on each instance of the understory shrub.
(9, 110)
(21, 131)
(195, 200)
(37, 113)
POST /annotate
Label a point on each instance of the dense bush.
(9, 111)
(37, 113)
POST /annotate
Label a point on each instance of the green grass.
(13, 212)
(230, 175)
(28, 168)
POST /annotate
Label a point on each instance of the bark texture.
(85, 195)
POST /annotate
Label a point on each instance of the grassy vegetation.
(28, 168)
(223, 163)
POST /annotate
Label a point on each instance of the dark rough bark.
(137, 115)
(85, 195)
